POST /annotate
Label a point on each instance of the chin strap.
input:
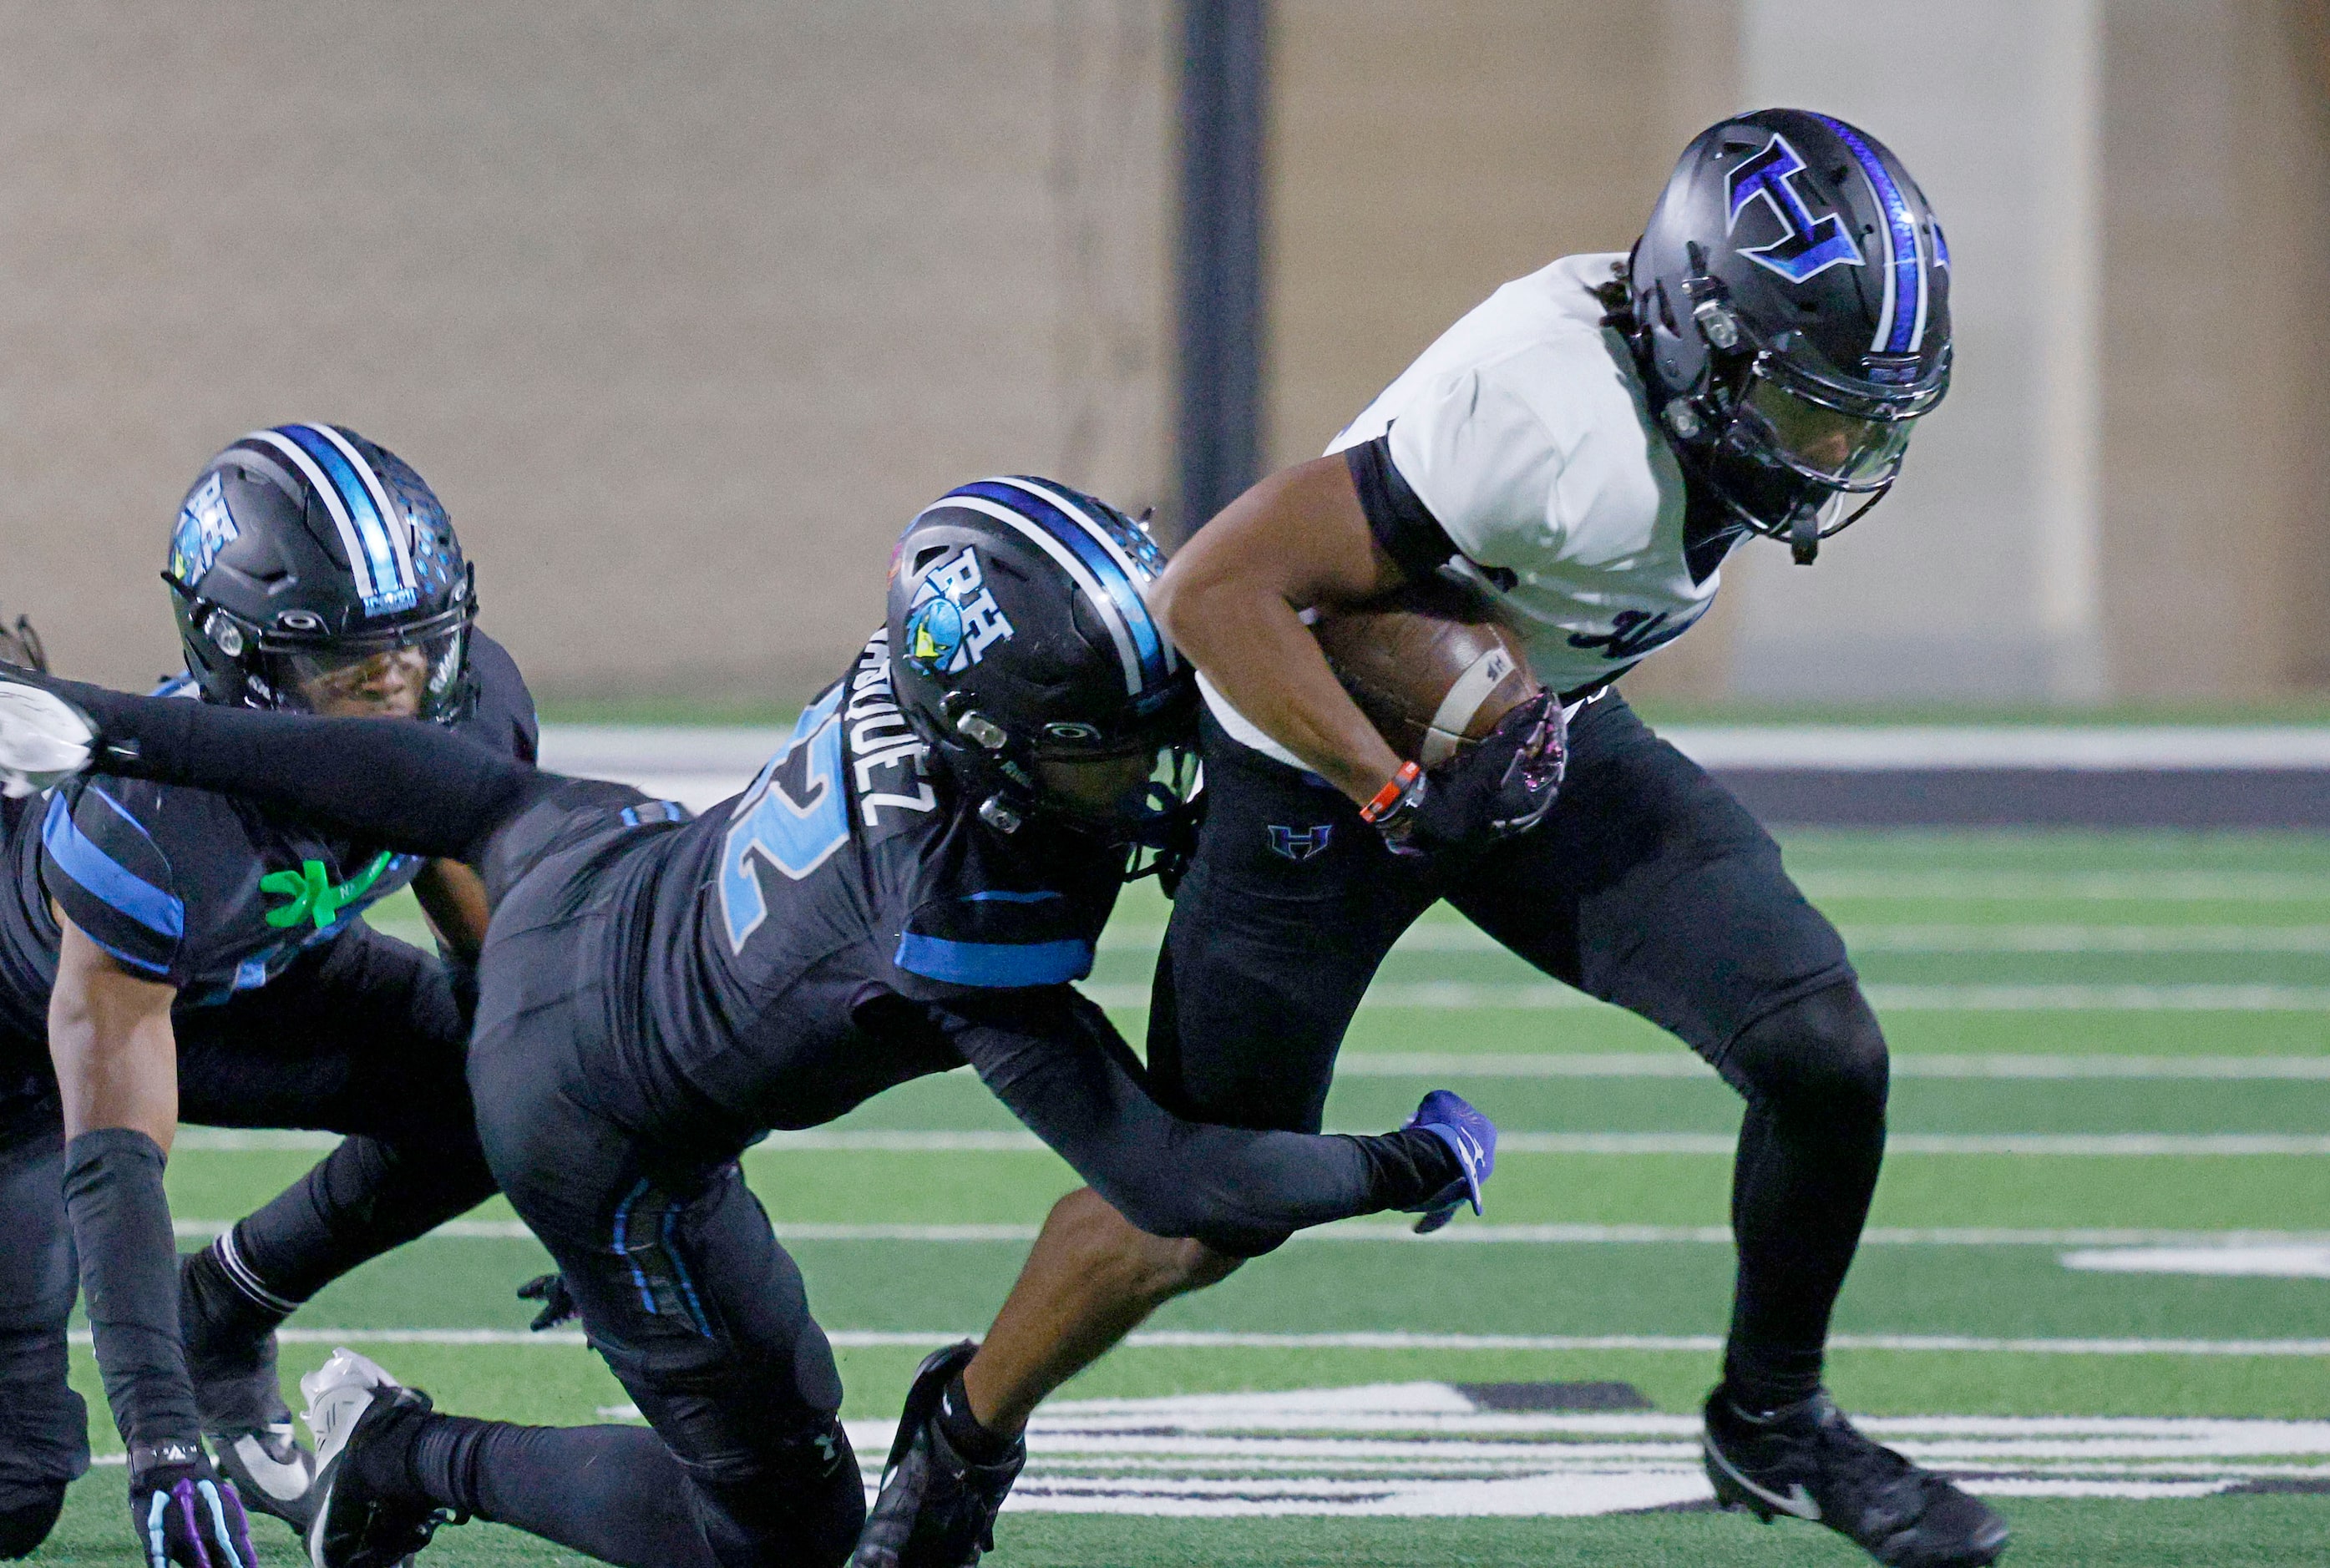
(1805, 535)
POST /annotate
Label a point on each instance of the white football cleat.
(43, 739)
(350, 1399)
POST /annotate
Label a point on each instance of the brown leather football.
(1432, 666)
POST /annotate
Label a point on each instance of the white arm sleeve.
(1486, 466)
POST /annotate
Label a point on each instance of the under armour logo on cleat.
(1299, 842)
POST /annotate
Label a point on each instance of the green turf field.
(2109, 1053)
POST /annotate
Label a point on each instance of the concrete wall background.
(684, 308)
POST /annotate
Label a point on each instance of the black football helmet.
(1790, 308)
(1023, 653)
(303, 552)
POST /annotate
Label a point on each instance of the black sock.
(1800, 1192)
(358, 1202)
(971, 1438)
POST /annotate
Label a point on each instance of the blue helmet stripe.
(1148, 641)
(1907, 263)
(372, 528)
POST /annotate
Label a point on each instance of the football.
(1432, 666)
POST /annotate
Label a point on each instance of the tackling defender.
(910, 886)
(1586, 445)
(168, 954)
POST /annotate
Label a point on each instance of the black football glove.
(557, 1301)
(1503, 785)
(183, 1512)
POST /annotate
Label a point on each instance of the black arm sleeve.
(1397, 515)
(1054, 1058)
(129, 1279)
(394, 782)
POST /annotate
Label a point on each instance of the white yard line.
(1451, 937)
(1388, 1339)
(1458, 996)
(2221, 1246)
(1681, 1063)
(890, 1141)
(2106, 1145)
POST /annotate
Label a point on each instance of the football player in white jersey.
(1586, 445)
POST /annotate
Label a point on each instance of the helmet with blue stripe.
(1022, 650)
(314, 570)
(1789, 304)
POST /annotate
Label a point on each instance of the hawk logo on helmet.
(205, 528)
(953, 618)
(1808, 246)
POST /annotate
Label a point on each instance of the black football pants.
(678, 1279)
(1647, 885)
(360, 1036)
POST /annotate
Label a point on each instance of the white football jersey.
(1524, 430)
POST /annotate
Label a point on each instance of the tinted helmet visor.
(418, 679)
(1837, 450)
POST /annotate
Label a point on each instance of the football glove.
(557, 1301)
(183, 1512)
(1502, 786)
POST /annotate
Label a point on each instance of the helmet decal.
(371, 530)
(1808, 246)
(205, 528)
(1901, 321)
(953, 618)
(1108, 569)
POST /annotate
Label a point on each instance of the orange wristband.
(1393, 791)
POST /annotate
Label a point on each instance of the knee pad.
(1821, 1054)
(26, 1523)
(802, 1502)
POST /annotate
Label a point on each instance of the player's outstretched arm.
(413, 788)
(1055, 1061)
(1230, 599)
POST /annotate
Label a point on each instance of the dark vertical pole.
(1224, 70)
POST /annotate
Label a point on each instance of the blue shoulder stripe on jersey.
(1148, 642)
(996, 895)
(999, 965)
(371, 527)
(79, 858)
(132, 959)
(1901, 238)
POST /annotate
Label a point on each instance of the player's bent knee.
(1820, 1054)
(26, 1521)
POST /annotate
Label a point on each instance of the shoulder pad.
(111, 879)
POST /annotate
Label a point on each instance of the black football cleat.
(1806, 1460)
(936, 1509)
(351, 1404)
(240, 1401)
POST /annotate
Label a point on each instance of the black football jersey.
(833, 930)
(199, 891)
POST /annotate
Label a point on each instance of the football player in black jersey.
(169, 954)
(910, 886)
(1584, 447)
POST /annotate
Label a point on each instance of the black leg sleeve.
(411, 787)
(614, 1493)
(1815, 1076)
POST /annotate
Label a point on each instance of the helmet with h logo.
(1790, 310)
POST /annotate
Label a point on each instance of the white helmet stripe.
(392, 519)
(1885, 315)
(1083, 579)
(1138, 575)
(359, 559)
